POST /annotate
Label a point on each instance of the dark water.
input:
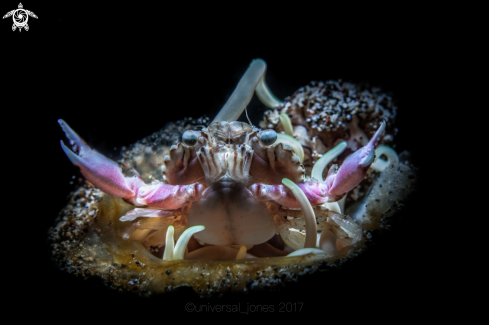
(118, 81)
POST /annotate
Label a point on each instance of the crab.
(226, 182)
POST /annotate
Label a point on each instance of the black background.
(116, 73)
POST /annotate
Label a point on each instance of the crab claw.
(102, 172)
(337, 183)
(165, 196)
(354, 168)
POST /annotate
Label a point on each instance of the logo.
(20, 17)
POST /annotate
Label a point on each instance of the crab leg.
(337, 183)
(107, 176)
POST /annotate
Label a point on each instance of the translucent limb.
(252, 80)
(310, 218)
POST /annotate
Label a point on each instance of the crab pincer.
(107, 176)
(104, 173)
(338, 181)
(354, 168)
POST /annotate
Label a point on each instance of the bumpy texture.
(333, 111)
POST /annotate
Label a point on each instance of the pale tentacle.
(320, 165)
(176, 252)
(380, 164)
(169, 244)
(310, 218)
(264, 94)
(252, 80)
(183, 241)
(286, 124)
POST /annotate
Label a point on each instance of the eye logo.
(20, 17)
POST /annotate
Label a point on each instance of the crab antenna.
(252, 81)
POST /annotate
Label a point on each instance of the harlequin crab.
(230, 192)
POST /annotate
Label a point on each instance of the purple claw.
(107, 176)
(102, 172)
(165, 196)
(337, 183)
(354, 168)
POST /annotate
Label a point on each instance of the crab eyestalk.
(252, 81)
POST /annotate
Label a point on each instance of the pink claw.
(315, 192)
(107, 176)
(102, 172)
(354, 168)
(169, 197)
(337, 183)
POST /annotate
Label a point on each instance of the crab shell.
(228, 214)
(88, 239)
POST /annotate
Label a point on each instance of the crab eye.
(267, 137)
(190, 137)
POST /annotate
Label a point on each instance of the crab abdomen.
(231, 217)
